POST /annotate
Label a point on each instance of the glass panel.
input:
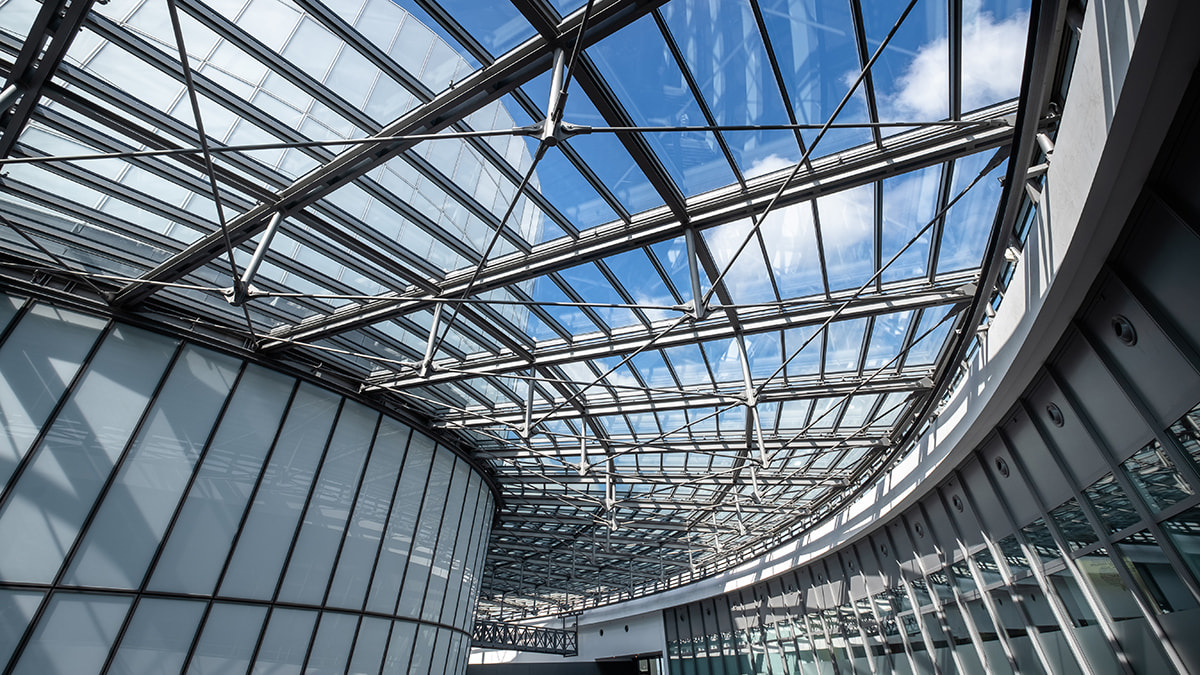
(9, 305)
(228, 640)
(16, 609)
(1187, 430)
(361, 545)
(422, 650)
(50, 501)
(37, 362)
(137, 508)
(158, 638)
(1039, 539)
(1184, 532)
(331, 648)
(425, 539)
(450, 528)
(74, 635)
(393, 556)
(203, 533)
(369, 646)
(1073, 525)
(1101, 574)
(1155, 477)
(400, 648)
(325, 520)
(989, 569)
(455, 588)
(1018, 564)
(1154, 574)
(257, 562)
(441, 648)
(1112, 506)
(285, 643)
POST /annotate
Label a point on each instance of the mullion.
(864, 55)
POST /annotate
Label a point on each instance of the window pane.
(331, 648)
(439, 572)
(285, 643)
(1154, 574)
(134, 514)
(16, 609)
(1184, 531)
(50, 501)
(466, 536)
(325, 521)
(1155, 477)
(361, 545)
(1113, 507)
(1073, 525)
(422, 651)
(74, 635)
(158, 638)
(201, 537)
(37, 362)
(400, 648)
(369, 647)
(426, 537)
(228, 640)
(263, 544)
(393, 557)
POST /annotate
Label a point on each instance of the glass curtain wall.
(167, 508)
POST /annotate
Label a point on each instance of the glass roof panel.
(498, 26)
(847, 225)
(747, 279)
(724, 53)
(912, 75)
(909, 203)
(648, 82)
(791, 243)
(814, 44)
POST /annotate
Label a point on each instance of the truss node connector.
(239, 293)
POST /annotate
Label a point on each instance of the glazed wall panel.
(166, 497)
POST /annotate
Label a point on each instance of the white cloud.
(769, 164)
(992, 58)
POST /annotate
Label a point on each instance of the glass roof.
(683, 276)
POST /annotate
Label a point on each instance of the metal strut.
(241, 291)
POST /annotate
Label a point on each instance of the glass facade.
(170, 508)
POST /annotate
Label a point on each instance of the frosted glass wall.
(166, 508)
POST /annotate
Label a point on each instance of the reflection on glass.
(1101, 574)
(1039, 539)
(1184, 532)
(1112, 506)
(1153, 573)
(989, 569)
(1155, 477)
(74, 635)
(159, 637)
(1187, 430)
(1014, 556)
(1073, 525)
(16, 609)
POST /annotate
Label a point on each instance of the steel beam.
(53, 30)
(950, 290)
(638, 402)
(485, 85)
(901, 154)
